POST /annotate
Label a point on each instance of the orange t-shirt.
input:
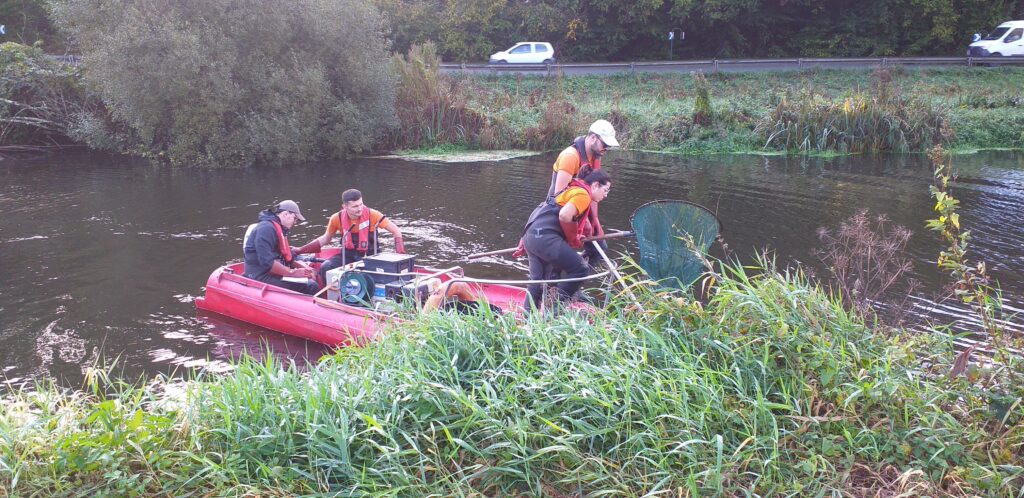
(376, 221)
(577, 196)
(568, 161)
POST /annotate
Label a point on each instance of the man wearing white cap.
(583, 156)
(268, 257)
(576, 161)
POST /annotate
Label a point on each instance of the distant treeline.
(609, 30)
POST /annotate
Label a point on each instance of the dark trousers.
(338, 260)
(548, 250)
(308, 287)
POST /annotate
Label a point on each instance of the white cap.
(606, 131)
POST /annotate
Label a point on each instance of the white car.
(1006, 39)
(525, 53)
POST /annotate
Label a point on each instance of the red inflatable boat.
(330, 318)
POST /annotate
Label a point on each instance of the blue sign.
(3, 29)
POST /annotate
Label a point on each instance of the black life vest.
(580, 146)
(545, 216)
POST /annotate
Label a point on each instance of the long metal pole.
(611, 268)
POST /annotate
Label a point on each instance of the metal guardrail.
(716, 65)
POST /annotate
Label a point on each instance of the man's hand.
(301, 273)
(301, 270)
(399, 245)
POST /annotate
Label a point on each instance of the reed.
(768, 388)
(702, 113)
(430, 108)
(884, 121)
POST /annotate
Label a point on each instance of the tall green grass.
(770, 388)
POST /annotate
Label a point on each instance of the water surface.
(102, 256)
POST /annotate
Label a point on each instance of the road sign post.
(672, 37)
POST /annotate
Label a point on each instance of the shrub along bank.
(770, 388)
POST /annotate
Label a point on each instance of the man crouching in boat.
(555, 232)
(268, 257)
(358, 225)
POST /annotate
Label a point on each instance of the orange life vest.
(363, 229)
(282, 243)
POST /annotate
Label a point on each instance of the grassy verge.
(813, 111)
(770, 388)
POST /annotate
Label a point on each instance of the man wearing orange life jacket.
(576, 161)
(358, 225)
(555, 232)
(268, 257)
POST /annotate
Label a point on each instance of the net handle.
(510, 250)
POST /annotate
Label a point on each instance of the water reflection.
(103, 255)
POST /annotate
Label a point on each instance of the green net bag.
(664, 230)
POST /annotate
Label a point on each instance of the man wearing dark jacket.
(268, 257)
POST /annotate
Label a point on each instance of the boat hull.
(231, 294)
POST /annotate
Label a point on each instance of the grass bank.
(812, 111)
(771, 388)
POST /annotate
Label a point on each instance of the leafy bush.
(41, 99)
(227, 83)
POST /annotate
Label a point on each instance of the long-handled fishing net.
(671, 234)
(673, 237)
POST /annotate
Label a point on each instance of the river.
(102, 255)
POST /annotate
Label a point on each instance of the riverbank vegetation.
(222, 84)
(813, 111)
(770, 387)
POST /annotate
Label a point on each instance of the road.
(729, 65)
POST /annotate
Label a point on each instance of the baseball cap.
(291, 206)
(606, 131)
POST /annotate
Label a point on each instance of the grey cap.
(291, 206)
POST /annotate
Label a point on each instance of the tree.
(597, 30)
(26, 23)
(231, 82)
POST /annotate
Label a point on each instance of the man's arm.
(396, 232)
(265, 244)
(569, 227)
(314, 245)
(562, 179)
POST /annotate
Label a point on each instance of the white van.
(525, 53)
(1006, 39)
